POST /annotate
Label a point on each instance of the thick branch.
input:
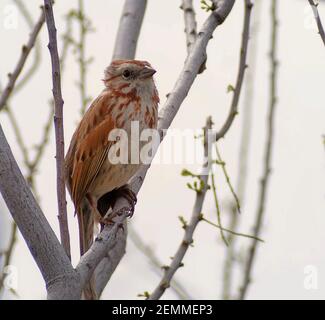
(190, 23)
(190, 28)
(318, 20)
(129, 29)
(21, 62)
(107, 266)
(40, 238)
(58, 121)
(267, 153)
(166, 116)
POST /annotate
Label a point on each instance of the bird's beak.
(146, 72)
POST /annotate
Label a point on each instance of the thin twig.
(40, 147)
(318, 20)
(225, 173)
(245, 138)
(21, 62)
(189, 228)
(245, 235)
(267, 153)
(216, 201)
(58, 122)
(241, 72)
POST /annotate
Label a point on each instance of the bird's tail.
(86, 236)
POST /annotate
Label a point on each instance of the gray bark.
(129, 29)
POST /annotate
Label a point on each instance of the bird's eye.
(126, 74)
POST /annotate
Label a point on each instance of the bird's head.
(126, 75)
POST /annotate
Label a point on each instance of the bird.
(93, 181)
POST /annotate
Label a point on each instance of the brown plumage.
(129, 95)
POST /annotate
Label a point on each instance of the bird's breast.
(124, 156)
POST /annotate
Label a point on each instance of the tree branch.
(58, 122)
(267, 153)
(318, 20)
(190, 28)
(216, 201)
(129, 29)
(241, 72)
(190, 23)
(40, 238)
(21, 62)
(107, 266)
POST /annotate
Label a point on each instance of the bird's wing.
(89, 148)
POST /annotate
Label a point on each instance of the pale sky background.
(295, 214)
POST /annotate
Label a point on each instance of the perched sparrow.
(92, 180)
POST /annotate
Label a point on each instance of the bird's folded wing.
(90, 154)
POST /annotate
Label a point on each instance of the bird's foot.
(130, 196)
(107, 202)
